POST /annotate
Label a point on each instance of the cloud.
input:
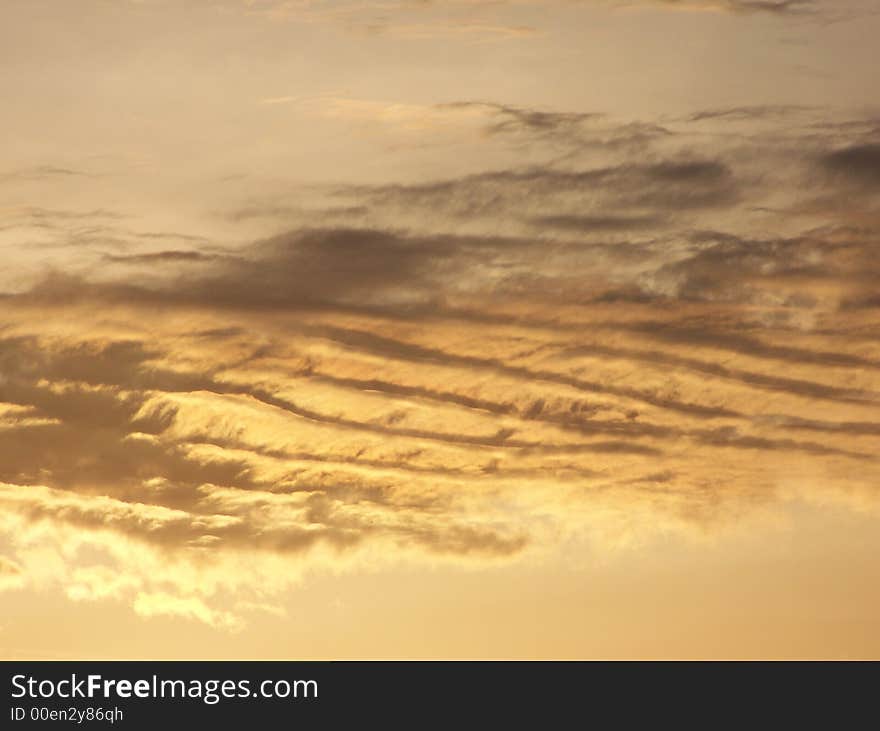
(158, 257)
(750, 113)
(588, 224)
(509, 119)
(282, 440)
(656, 337)
(286, 9)
(462, 29)
(637, 191)
(772, 7)
(857, 163)
(42, 172)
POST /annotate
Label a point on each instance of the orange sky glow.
(527, 329)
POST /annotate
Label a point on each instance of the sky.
(439, 329)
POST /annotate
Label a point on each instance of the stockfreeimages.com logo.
(209, 691)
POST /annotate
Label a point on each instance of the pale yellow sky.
(451, 329)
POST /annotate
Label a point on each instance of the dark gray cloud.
(160, 257)
(41, 172)
(287, 212)
(574, 131)
(340, 265)
(795, 271)
(857, 163)
(772, 7)
(510, 118)
(629, 227)
(590, 224)
(659, 189)
(750, 113)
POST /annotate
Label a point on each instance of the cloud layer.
(655, 326)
